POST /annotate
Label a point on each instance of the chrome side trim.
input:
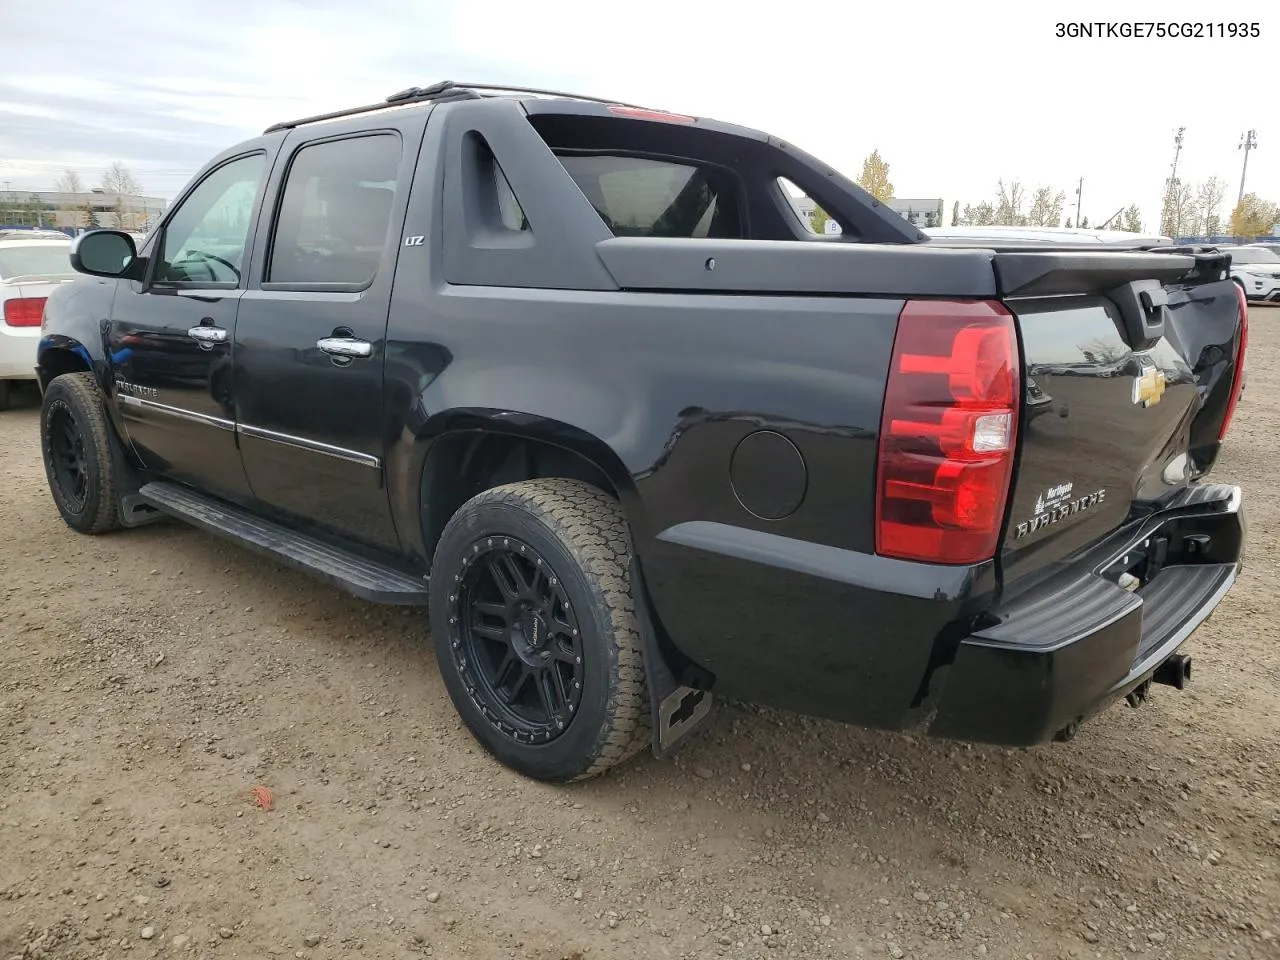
(182, 414)
(315, 446)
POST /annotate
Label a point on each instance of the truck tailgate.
(1128, 367)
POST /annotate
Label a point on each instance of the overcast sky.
(953, 95)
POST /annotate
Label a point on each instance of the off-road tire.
(78, 396)
(583, 534)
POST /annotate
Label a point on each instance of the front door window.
(206, 238)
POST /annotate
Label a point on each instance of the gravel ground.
(150, 680)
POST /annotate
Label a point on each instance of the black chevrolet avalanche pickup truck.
(579, 377)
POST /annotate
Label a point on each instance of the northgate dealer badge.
(1055, 505)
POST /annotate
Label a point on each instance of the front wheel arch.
(61, 357)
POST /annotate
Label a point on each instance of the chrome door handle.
(345, 347)
(208, 334)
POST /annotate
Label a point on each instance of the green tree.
(9, 210)
(1178, 211)
(875, 177)
(1084, 224)
(1132, 219)
(1046, 207)
(983, 215)
(91, 217)
(1008, 208)
(41, 214)
(955, 214)
(1208, 206)
(1067, 222)
(1254, 217)
(818, 220)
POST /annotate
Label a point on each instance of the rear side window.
(335, 212)
(648, 197)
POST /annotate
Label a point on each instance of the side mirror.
(104, 253)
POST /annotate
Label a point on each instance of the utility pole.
(1169, 217)
(1079, 195)
(1248, 141)
(1110, 219)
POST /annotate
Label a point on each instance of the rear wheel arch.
(461, 463)
(472, 458)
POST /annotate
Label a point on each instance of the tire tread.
(592, 527)
(88, 398)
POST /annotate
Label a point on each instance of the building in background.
(919, 213)
(75, 211)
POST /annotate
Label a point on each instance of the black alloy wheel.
(535, 631)
(75, 442)
(68, 455)
(519, 647)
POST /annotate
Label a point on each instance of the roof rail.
(444, 90)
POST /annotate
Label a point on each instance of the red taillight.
(947, 432)
(24, 312)
(640, 113)
(1237, 375)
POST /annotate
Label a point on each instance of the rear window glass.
(34, 260)
(647, 197)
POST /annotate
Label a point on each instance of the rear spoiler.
(1135, 281)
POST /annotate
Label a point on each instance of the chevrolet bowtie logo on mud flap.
(1057, 513)
(1148, 387)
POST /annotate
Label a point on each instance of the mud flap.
(134, 511)
(677, 710)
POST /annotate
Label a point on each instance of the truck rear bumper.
(1068, 647)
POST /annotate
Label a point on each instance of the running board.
(366, 579)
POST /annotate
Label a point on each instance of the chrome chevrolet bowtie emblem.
(1149, 386)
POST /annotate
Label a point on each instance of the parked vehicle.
(576, 373)
(32, 262)
(1055, 236)
(1257, 270)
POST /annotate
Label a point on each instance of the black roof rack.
(444, 90)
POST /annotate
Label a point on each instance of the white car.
(1257, 270)
(1055, 235)
(32, 263)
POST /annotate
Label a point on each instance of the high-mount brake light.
(1237, 375)
(640, 113)
(24, 311)
(948, 432)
